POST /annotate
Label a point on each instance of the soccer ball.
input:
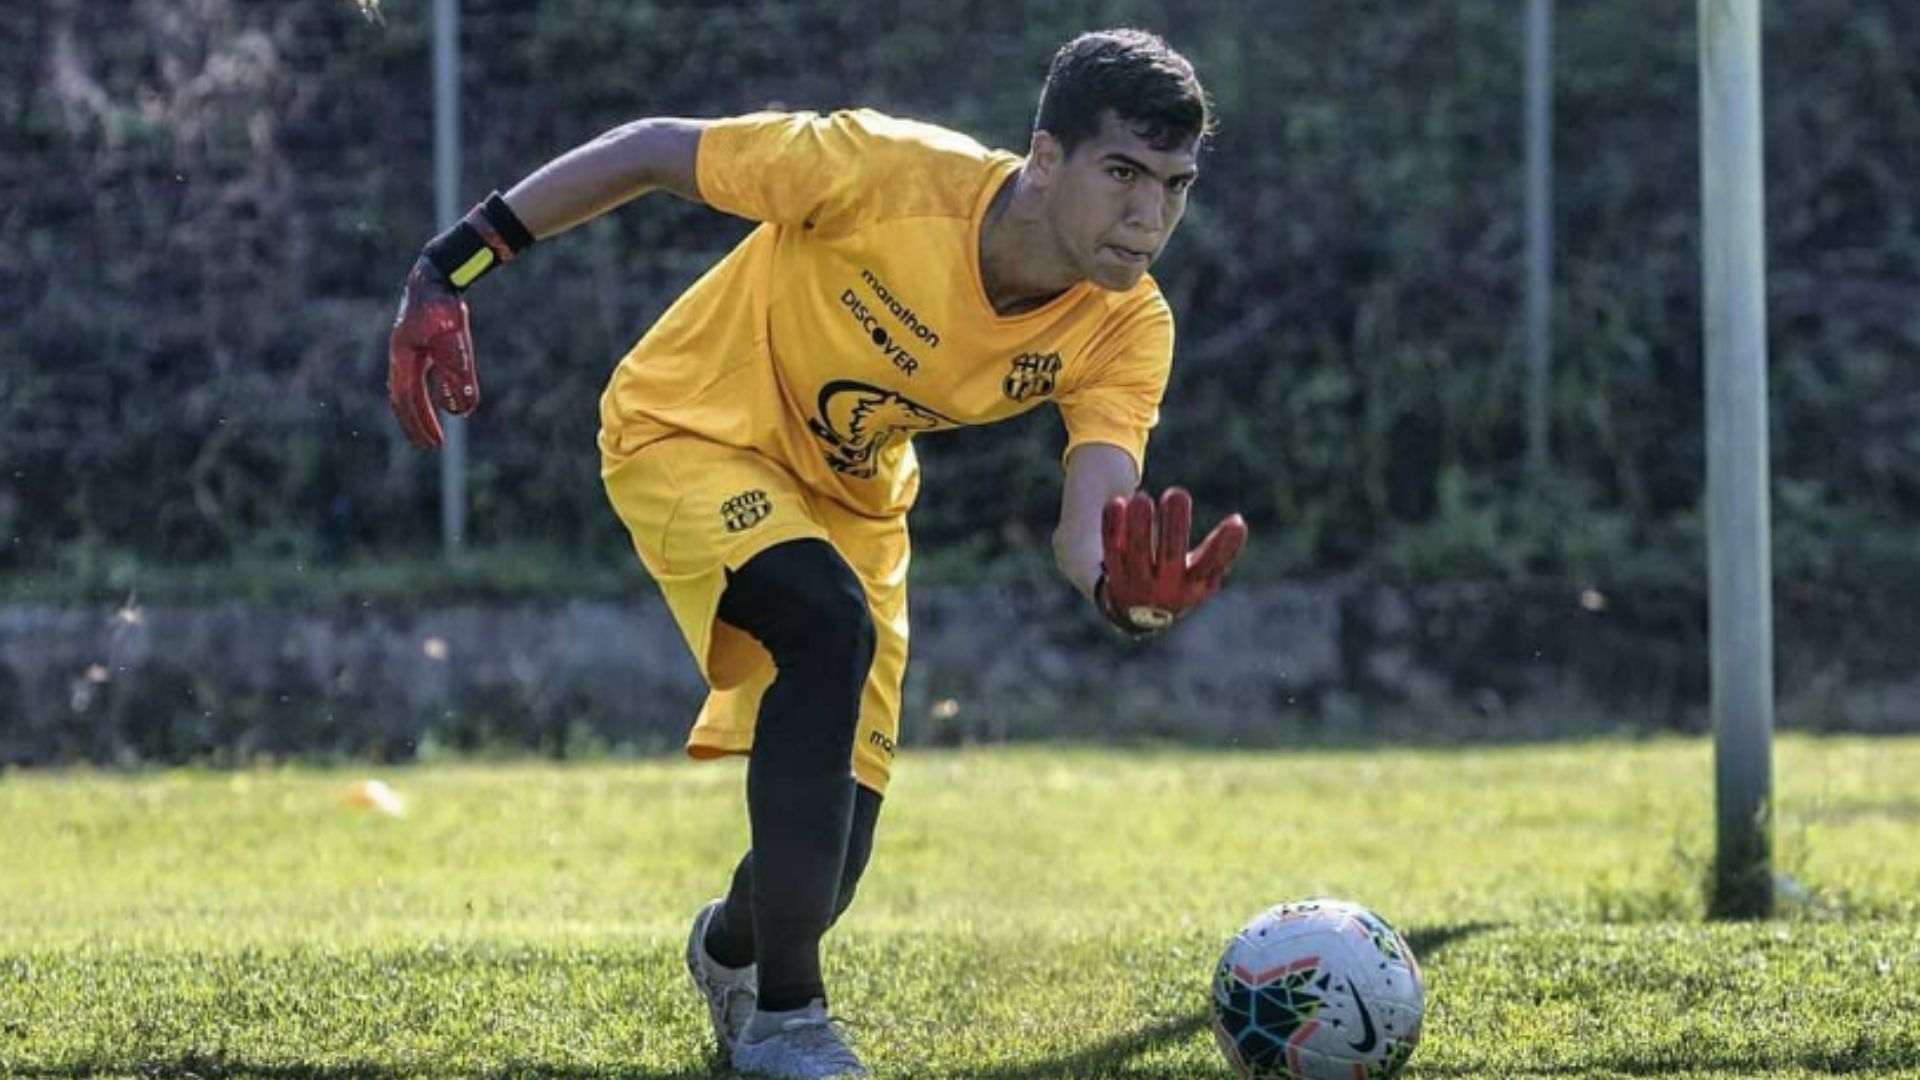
(1317, 990)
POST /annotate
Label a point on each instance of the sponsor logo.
(881, 743)
(888, 345)
(745, 510)
(857, 421)
(1032, 375)
(1368, 1037)
(925, 334)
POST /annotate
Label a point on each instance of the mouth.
(1129, 256)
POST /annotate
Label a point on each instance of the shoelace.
(820, 1035)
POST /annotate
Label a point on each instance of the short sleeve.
(797, 168)
(1117, 401)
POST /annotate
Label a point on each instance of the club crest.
(745, 510)
(1032, 376)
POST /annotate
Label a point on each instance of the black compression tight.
(803, 603)
(730, 937)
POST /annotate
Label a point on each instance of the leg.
(754, 617)
(866, 813)
(805, 606)
(730, 934)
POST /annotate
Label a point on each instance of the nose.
(1146, 209)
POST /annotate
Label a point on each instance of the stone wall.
(1329, 661)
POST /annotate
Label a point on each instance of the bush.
(216, 203)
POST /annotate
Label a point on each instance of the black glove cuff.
(490, 234)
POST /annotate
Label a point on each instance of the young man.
(757, 442)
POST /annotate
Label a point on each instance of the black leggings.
(812, 834)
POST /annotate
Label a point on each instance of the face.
(1114, 202)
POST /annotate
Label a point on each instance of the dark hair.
(1150, 87)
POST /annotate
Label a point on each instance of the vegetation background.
(210, 206)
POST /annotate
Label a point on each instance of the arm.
(1097, 473)
(430, 352)
(618, 166)
(1127, 552)
(1123, 549)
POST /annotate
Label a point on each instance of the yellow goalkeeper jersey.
(855, 316)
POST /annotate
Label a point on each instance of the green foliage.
(92, 573)
(216, 204)
(522, 919)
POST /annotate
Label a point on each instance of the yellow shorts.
(698, 508)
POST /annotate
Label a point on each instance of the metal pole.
(446, 203)
(1741, 614)
(1539, 232)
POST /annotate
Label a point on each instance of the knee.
(846, 625)
(805, 604)
(827, 622)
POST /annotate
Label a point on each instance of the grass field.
(1032, 913)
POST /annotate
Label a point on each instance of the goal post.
(1733, 251)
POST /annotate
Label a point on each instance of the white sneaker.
(807, 1047)
(730, 993)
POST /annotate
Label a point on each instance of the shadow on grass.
(1108, 1060)
(194, 1067)
(1815, 1062)
(1428, 942)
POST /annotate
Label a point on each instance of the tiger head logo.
(858, 421)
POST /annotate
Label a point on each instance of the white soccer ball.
(1318, 990)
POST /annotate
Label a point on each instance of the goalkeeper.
(757, 441)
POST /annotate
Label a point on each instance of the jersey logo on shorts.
(745, 510)
(858, 421)
(1032, 375)
(881, 743)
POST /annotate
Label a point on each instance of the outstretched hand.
(430, 356)
(1150, 579)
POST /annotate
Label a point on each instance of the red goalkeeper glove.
(430, 355)
(1148, 577)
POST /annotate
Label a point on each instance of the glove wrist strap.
(1122, 620)
(489, 235)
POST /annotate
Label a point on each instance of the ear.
(1044, 155)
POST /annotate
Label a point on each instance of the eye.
(1123, 173)
(1179, 184)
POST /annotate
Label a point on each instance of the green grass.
(1032, 913)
